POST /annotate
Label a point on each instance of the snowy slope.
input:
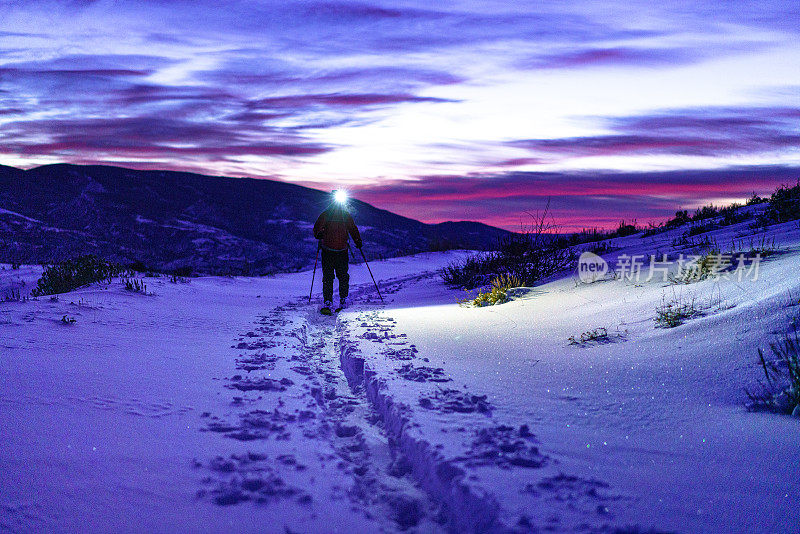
(230, 405)
(649, 430)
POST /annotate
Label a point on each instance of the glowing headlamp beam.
(340, 196)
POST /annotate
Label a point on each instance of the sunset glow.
(437, 111)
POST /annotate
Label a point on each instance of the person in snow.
(332, 228)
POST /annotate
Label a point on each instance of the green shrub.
(498, 292)
(781, 392)
(706, 212)
(676, 312)
(733, 214)
(784, 204)
(470, 273)
(725, 217)
(708, 265)
(532, 256)
(72, 274)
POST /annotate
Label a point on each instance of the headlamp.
(340, 196)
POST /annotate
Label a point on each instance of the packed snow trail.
(311, 446)
(322, 435)
(125, 410)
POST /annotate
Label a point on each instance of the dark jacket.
(332, 227)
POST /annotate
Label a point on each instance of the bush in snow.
(531, 255)
(135, 285)
(471, 272)
(587, 235)
(701, 229)
(72, 274)
(733, 215)
(726, 216)
(625, 229)
(706, 212)
(498, 292)
(763, 247)
(598, 336)
(784, 204)
(708, 265)
(674, 312)
(681, 217)
(781, 392)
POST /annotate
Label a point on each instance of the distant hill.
(169, 220)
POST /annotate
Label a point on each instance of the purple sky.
(437, 110)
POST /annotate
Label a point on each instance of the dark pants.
(334, 262)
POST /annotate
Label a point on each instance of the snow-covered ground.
(231, 405)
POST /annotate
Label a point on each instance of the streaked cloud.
(576, 199)
(146, 137)
(394, 96)
(689, 132)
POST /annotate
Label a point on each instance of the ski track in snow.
(292, 400)
(486, 442)
(306, 401)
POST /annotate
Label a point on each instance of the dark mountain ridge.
(168, 220)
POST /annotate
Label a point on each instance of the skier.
(332, 229)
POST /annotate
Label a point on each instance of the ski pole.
(313, 275)
(370, 274)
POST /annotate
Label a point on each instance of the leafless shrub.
(530, 255)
